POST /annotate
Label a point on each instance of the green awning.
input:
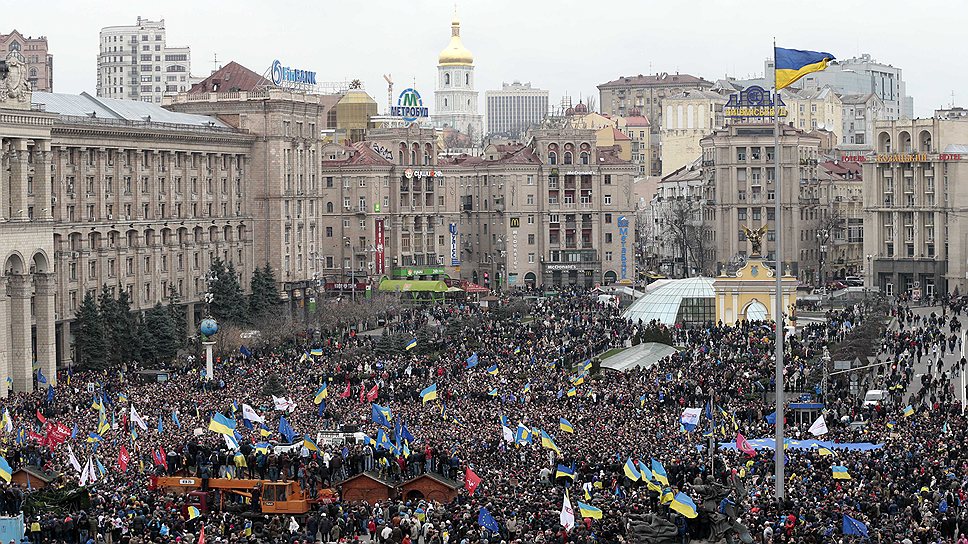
(422, 286)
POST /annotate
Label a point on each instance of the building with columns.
(98, 192)
(455, 100)
(40, 63)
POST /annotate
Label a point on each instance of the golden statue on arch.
(756, 238)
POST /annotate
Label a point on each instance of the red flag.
(159, 457)
(123, 459)
(362, 393)
(471, 481)
(201, 534)
(744, 446)
(41, 417)
(346, 393)
(371, 396)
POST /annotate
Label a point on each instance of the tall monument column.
(45, 286)
(21, 344)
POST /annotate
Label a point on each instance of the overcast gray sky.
(565, 46)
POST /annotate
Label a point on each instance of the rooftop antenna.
(389, 80)
(952, 99)
(215, 63)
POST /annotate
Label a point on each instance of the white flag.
(7, 422)
(567, 514)
(74, 462)
(282, 404)
(819, 427)
(90, 468)
(136, 419)
(230, 442)
(88, 475)
(507, 433)
(249, 413)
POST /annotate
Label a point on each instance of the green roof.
(413, 285)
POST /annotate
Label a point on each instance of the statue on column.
(756, 239)
(14, 86)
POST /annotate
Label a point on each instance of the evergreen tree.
(265, 294)
(90, 344)
(177, 315)
(159, 335)
(129, 341)
(228, 303)
(108, 307)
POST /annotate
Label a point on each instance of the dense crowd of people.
(526, 373)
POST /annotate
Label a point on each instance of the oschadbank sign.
(409, 106)
(284, 75)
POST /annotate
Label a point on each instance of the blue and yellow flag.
(316, 352)
(122, 397)
(222, 425)
(659, 473)
(5, 471)
(527, 388)
(840, 473)
(321, 393)
(309, 443)
(792, 64)
(549, 443)
(96, 404)
(262, 447)
(492, 370)
(492, 392)
(517, 350)
(429, 393)
(684, 505)
(564, 425)
(193, 512)
(565, 472)
(630, 470)
(411, 344)
(589, 511)
(908, 411)
(572, 392)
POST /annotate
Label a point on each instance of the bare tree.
(688, 235)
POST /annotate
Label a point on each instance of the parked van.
(876, 397)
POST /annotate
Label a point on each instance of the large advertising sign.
(754, 102)
(623, 232)
(409, 106)
(285, 76)
(454, 254)
(379, 256)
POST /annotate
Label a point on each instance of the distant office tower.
(135, 63)
(514, 109)
(40, 63)
(862, 75)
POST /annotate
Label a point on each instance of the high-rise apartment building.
(514, 109)
(33, 52)
(916, 204)
(135, 63)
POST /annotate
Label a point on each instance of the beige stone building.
(819, 109)
(689, 116)
(548, 212)
(285, 197)
(740, 190)
(916, 204)
(634, 96)
(33, 51)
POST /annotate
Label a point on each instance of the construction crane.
(389, 79)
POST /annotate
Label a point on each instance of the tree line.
(108, 334)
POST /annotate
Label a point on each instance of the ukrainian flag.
(308, 442)
(239, 460)
(517, 350)
(587, 365)
(547, 442)
(589, 511)
(262, 447)
(658, 471)
(193, 512)
(492, 392)
(411, 344)
(684, 505)
(428, 394)
(564, 425)
(122, 397)
(825, 451)
(792, 64)
(96, 404)
(630, 471)
(321, 393)
(5, 471)
(523, 434)
(840, 473)
(264, 431)
(564, 472)
(93, 437)
(909, 411)
(527, 387)
(572, 392)
(316, 352)
(222, 425)
(492, 370)
(891, 424)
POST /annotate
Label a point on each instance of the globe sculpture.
(208, 327)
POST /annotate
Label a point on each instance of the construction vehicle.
(265, 496)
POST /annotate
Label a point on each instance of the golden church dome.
(455, 54)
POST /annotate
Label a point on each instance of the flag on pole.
(589, 511)
(123, 458)
(174, 417)
(161, 426)
(564, 425)
(567, 516)
(222, 425)
(487, 521)
(136, 419)
(840, 473)
(73, 459)
(471, 481)
(743, 445)
(631, 471)
(819, 427)
(429, 393)
(548, 443)
(853, 526)
(373, 393)
(684, 505)
(346, 392)
(321, 393)
(411, 344)
(472, 361)
(792, 64)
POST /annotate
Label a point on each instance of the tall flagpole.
(778, 274)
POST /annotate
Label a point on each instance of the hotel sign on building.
(754, 102)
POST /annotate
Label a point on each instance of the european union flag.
(41, 379)
(50, 392)
(285, 429)
(405, 434)
(853, 526)
(381, 415)
(487, 521)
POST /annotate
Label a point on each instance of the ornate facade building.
(455, 99)
(109, 193)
